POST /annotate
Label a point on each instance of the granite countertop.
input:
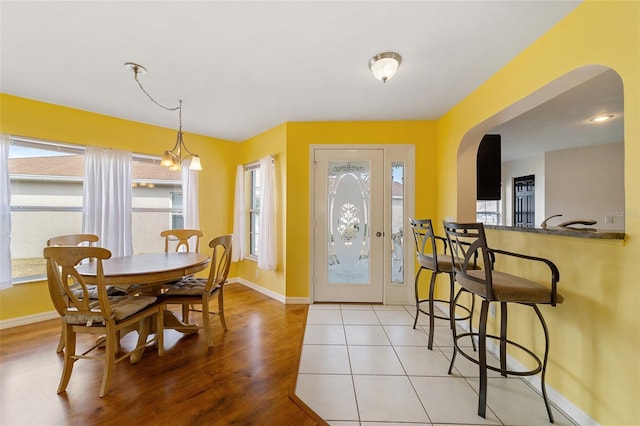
(604, 234)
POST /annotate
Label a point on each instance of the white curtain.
(107, 198)
(237, 242)
(267, 248)
(190, 210)
(5, 214)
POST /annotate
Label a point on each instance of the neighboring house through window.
(46, 200)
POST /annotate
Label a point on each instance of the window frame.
(252, 173)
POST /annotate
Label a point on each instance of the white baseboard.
(568, 408)
(272, 294)
(297, 301)
(28, 319)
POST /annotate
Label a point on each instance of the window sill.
(27, 280)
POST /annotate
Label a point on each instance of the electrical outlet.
(492, 310)
(608, 219)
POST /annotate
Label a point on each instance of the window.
(156, 203)
(397, 221)
(177, 219)
(489, 212)
(46, 200)
(252, 173)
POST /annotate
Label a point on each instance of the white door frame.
(392, 293)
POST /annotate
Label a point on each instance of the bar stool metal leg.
(482, 359)
(544, 362)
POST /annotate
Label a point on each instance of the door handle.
(379, 234)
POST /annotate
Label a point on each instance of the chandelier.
(174, 157)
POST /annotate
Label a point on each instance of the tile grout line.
(407, 373)
(353, 383)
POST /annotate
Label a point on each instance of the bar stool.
(467, 241)
(438, 263)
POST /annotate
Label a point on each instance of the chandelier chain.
(178, 108)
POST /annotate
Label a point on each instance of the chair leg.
(503, 338)
(109, 360)
(69, 354)
(454, 333)
(415, 321)
(60, 347)
(482, 359)
(544, 362)
(221, 308)
(453, 299)
(473, 308)
(432, 286)
(206, 322)
(185, 313)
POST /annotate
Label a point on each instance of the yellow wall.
(595, 342)
(24, 117)
(299, 138)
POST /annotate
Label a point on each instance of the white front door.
(348, 264)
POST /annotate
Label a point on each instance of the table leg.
(143, 333)
(172, 322)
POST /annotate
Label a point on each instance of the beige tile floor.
(366, 365)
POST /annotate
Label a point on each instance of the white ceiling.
(563, 122)
(244, 67)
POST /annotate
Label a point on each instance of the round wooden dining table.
(146, 268)
(148, 271)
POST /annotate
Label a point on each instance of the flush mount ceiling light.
(384, 65)
(601, 118)
(173, 158)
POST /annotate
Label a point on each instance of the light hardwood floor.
(245, 379)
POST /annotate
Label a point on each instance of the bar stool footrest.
(466, 316)
(502, 371)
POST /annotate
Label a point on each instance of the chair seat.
(509, 288)
(189, 286)
(445, 263)
(121, 306)
(93, 292)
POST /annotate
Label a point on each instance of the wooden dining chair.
(192, 291)
(71, 240)
(106, 316)
(183, 236)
